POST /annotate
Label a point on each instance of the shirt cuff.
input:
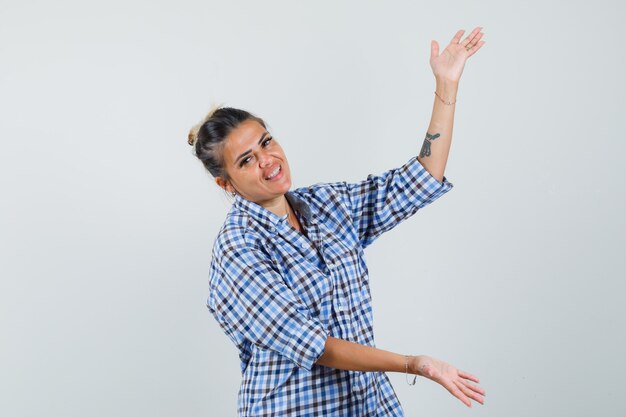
(431, 188)
(307, 345)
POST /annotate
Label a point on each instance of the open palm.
(449, 377)
(450, 63)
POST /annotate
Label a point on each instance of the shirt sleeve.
(381, 202)
(252, 304)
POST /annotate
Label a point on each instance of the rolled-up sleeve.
(252, 304)
(381, 202)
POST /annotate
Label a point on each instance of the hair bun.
(192, 137)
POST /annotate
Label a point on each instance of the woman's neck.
(279, 206)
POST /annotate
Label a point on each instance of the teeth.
(273, 174)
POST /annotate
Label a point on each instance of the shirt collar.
(269, 219)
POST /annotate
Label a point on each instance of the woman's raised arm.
(447, 69)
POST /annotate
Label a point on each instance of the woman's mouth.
(276, 174)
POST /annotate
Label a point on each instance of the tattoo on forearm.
(426, 146)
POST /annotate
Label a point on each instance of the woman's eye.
(265, 144)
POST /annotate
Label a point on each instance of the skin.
(447, 68)
(249, 182)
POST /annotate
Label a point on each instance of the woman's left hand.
(449, 65)
(449, 377)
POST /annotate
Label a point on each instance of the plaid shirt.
(278, 293)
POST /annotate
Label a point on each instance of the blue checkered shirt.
(278, 293)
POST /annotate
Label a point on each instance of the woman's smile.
(276, 173)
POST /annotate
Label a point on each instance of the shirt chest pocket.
(346, 261)
(310, 285)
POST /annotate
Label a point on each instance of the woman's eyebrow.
(250, 150)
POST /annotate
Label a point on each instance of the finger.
(467, 392)
(470, 40)
(473, 41)
(434, 49)
(471, 36)
(467, 375)
(475, 48)
(476, 38)
(454, 390)
(474, 387)
(457, 37)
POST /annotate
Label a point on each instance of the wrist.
(413, 364)
(443, 86)
(446, 92)
(442, 81)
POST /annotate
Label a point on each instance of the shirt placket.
(333, 265)
(322, 241)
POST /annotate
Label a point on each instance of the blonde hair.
(192, 137)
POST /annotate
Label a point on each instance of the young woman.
(288, 283)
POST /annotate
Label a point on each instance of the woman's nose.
(265, 160)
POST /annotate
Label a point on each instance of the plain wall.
(107, 219)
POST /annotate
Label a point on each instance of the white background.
(107, 219)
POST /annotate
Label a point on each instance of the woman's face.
(251, 155)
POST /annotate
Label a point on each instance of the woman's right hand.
(452, 379)
(450, 63)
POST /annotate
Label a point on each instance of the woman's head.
(236, 148)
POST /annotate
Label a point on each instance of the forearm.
(436, 146)
(342, 354)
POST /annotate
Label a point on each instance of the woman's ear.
(225, 185)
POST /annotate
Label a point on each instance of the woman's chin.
(285, 187)
(282, 186)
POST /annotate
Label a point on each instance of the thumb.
(434, 49)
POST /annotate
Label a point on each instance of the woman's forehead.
(246, 132)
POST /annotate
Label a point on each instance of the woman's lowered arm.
(447, 69)
(343, 354)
